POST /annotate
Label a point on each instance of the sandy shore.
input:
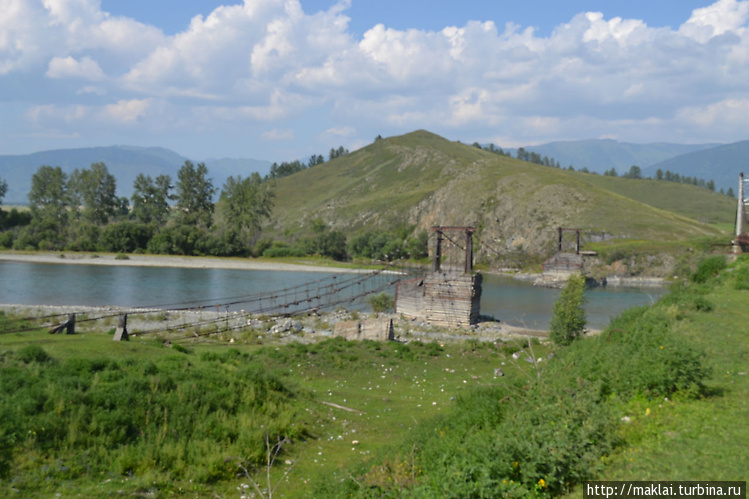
(165, 261)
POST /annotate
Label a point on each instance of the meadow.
(660, 394)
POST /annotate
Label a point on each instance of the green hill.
(421, 179)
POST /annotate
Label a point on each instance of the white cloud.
(121, 112)
(721, 17)
(268, 63)
(68, 67)
(343, 131)
(276, 134)
(127, 111)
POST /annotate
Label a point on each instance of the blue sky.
(284, 79)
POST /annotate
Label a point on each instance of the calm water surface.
(515, 302)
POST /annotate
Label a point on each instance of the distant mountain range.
(721, 164)
(599, 155)
(124, 162)
(710, 161)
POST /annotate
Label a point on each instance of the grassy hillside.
(422, 179)
(688, 200)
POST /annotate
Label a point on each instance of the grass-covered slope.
(422, 179)
(659, 395)
(691, 201)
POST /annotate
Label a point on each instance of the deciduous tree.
(3, 190)
(151, 199)
(95, 189)
(49, 194)
(195, 194)
(568, 319)
(246, 202)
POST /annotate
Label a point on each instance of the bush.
(32, 353)
(708, 268)
(381, 303)
(640, 353)
(283, 252)
(568, 318)
(741, 274)
(125, 237)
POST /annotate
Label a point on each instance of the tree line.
(82, 212)
(287, 168)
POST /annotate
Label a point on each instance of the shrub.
(33, 353)
(568, 318)
(381, 303)
(283, 252)
(708, 268)
(640, 353)
(741, 276)
(125, 237)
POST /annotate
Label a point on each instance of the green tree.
(95, 189)
(151, 199)
(568, 319)
(246, 202)
(195, 195)
(634, 172)
(3, 190)
(49, 198)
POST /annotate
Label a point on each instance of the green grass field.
(662, 394)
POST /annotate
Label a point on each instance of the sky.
(281, 80)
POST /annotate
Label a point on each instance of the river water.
(514, 302)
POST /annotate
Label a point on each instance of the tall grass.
(173, 418)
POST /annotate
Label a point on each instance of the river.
(514, 302)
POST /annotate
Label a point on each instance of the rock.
(498, 372)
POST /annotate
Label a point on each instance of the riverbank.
(220, 326)
(195, 262)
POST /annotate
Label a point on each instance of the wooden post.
(70, 326)
(469, 252)
(121, 332)
(577, 242)
(559, 244)
(436, 262)
(740, 216)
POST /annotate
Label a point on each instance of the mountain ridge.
(599, 155)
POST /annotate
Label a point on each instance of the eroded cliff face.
(513, 216)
